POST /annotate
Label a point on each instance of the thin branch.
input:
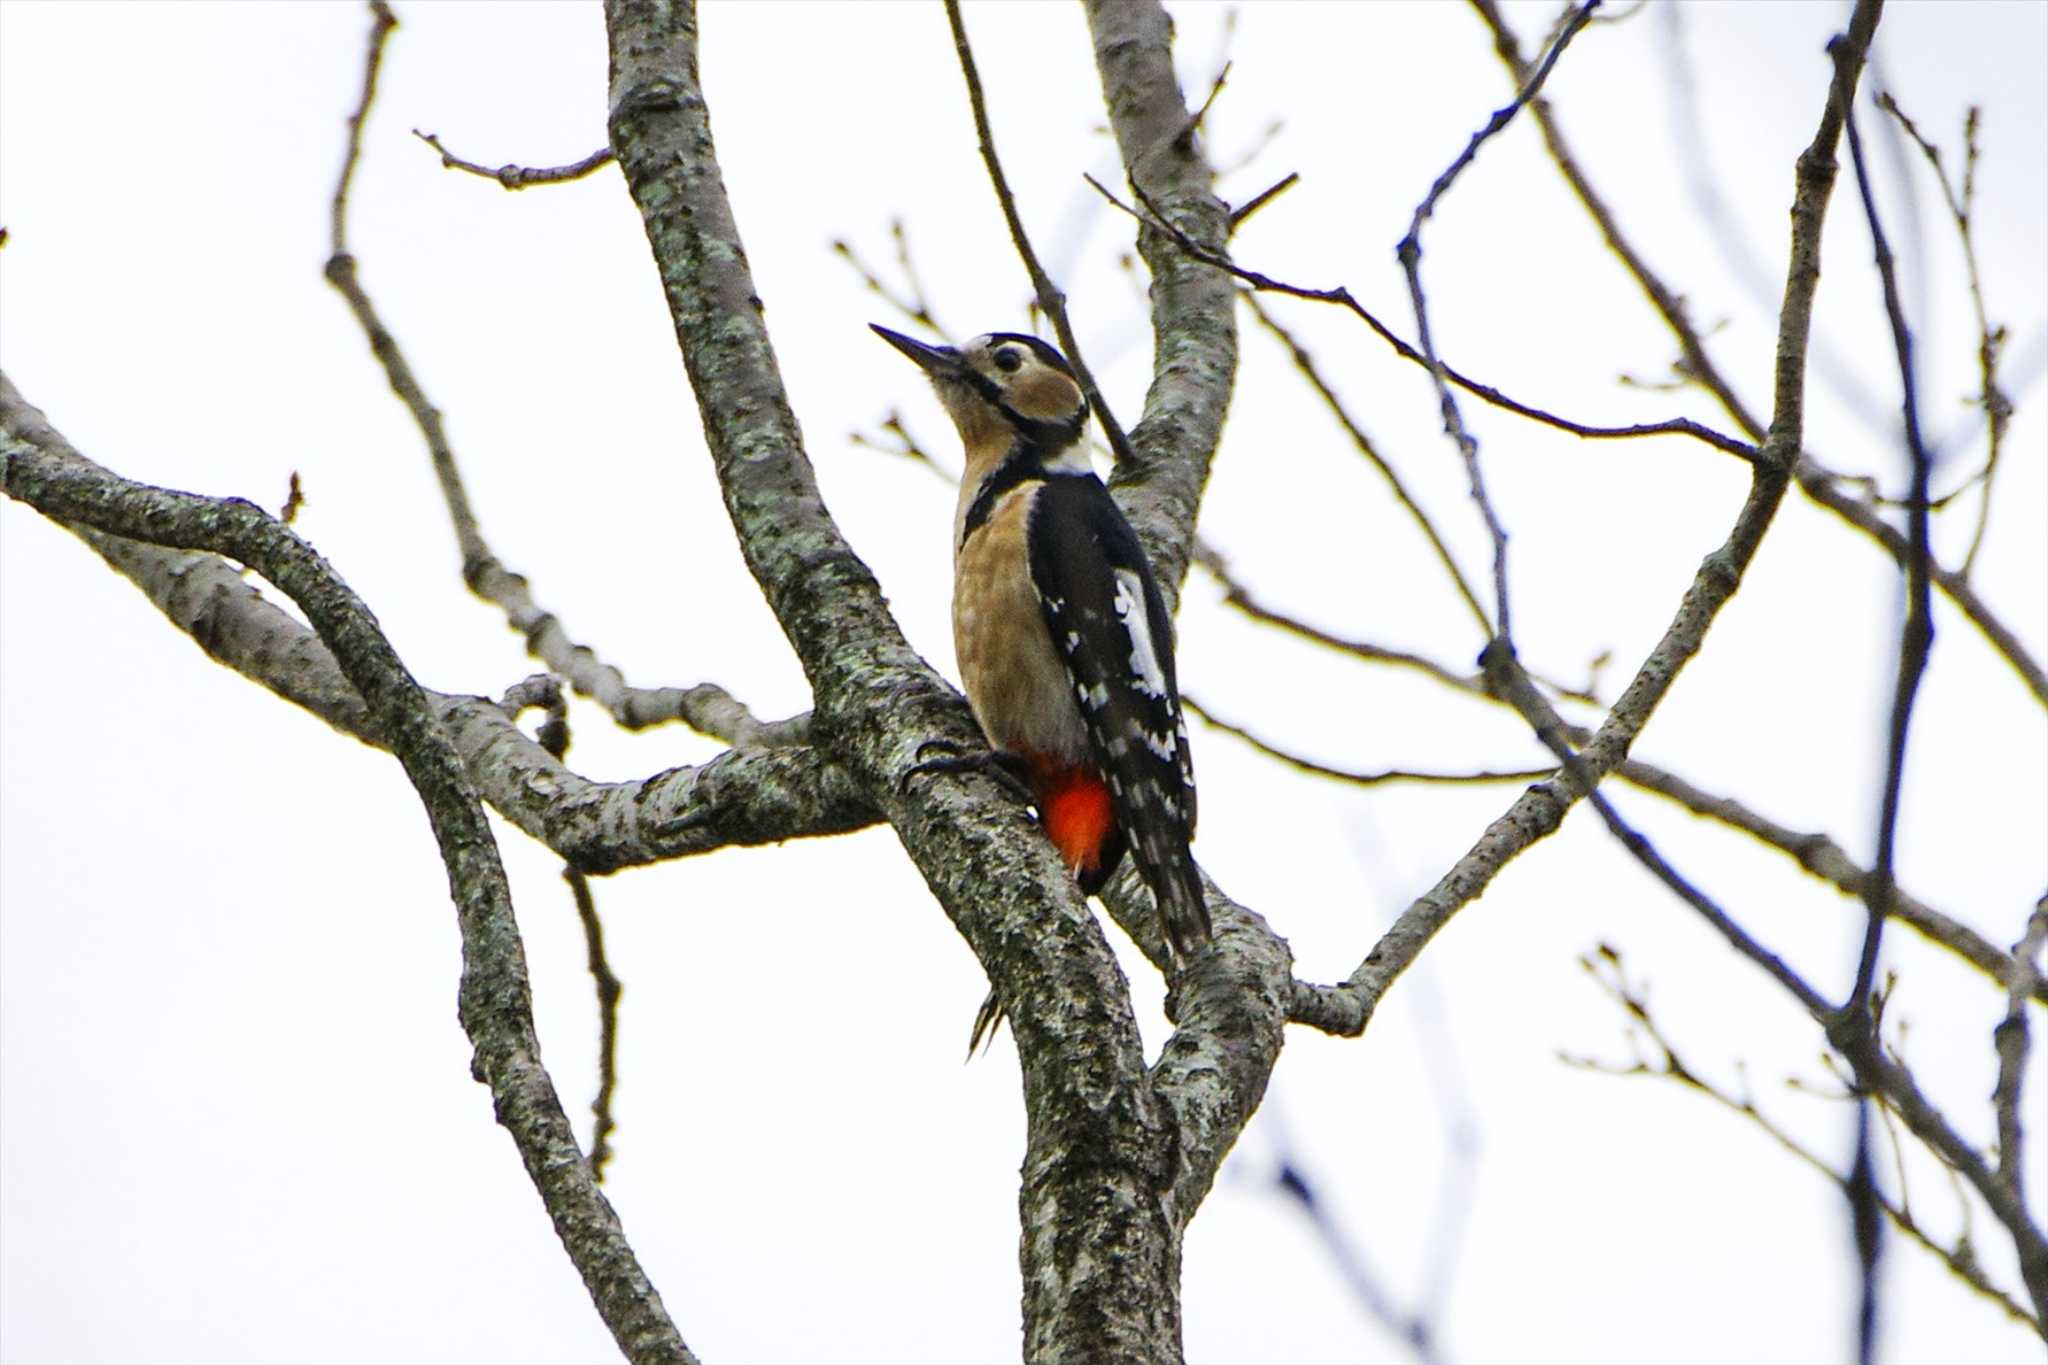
(514, 177)
(1341, 297)
(1824, 858)
(1050, 300)
(1264, 197)
(382, 21)
(1856, 1021)
(1990, 341)
(1605, 967)
(1355, 778)
(1409, 252)
(1414, 1330)
(544, 691)
(1917, 636)
(2011, 1040)
(1824, 487)
(1816, 482)
(1305, 363)
(608, 992)
(913, 306)
(1511, 683)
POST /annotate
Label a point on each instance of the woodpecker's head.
(1002, 388)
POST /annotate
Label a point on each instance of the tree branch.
(1540, 810)
(1409, 253)
(1815, 482)
(746, 796)
(495, 1001)
(514, 177)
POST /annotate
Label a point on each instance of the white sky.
(235, 1115)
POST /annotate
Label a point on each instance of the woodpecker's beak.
(937, 361)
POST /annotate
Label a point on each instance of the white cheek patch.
(1147, 675)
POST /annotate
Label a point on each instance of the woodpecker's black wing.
(1110, 625)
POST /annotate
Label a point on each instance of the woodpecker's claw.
(987, 1020)
(1004, 768)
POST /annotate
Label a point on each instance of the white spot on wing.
(1130, 609)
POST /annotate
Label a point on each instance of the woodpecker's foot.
(1007, 769)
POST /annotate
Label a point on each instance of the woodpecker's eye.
(1008, 359)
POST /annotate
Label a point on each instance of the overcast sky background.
(235, 1115)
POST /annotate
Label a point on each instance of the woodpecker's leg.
(1005, 768)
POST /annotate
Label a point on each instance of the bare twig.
(294, 500)
(1356, 778)
(1264, 197)
(914, 305)
(1415, 1330)
(2012, 1041)
(1824, 858)
(1050, 300)
(1305, 363)
(608, 992)
(514, 177)
(1990, 340)
(382, 21)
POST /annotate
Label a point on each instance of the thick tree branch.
(746, 796)
(495, 1000)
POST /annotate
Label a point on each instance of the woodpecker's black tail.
(1177, 890)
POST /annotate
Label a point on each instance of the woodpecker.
(1065, 647)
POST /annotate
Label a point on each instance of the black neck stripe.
(1015, 471)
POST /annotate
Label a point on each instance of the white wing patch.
(1146, 673)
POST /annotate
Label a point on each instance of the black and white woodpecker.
(1064, 644)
